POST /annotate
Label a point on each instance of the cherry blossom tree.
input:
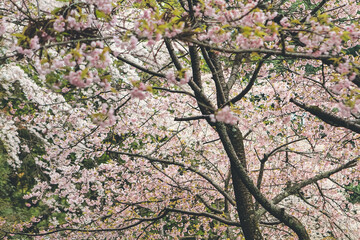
(180, 119)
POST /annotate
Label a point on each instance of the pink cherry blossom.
(274, 95)
(138, 93)
(2, 26)
(34, 43)
(59, 24)
(224, 115)
(170, 76)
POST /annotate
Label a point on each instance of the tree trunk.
(244, 203)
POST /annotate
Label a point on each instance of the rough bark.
(280, 213)
(244, 203)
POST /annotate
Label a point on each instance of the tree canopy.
(179, 119)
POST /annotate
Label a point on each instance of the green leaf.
(101, 14)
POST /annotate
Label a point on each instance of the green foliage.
(14, 184)
(310, 69)
(353, 191)
(90, 163)
(354, 51)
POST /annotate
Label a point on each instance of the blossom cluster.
(172, 78)
(2, 26)
(224, 115)
(106, 117)
(140, 91)
(91, 178)
(10, 138)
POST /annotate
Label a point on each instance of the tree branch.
(235, 69)
(327, 117)
(173, 91)
(250, 84)
(141, 68)
(205, 214)
(191, 118)
(315, 10)
(298, 55)
(172, 54)
(195, 65)
(217, 75)
(266, 156)
(202, 99)
(152, 159)
(293, 189)
(276, 211)
(215, 210)
(163, 214)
